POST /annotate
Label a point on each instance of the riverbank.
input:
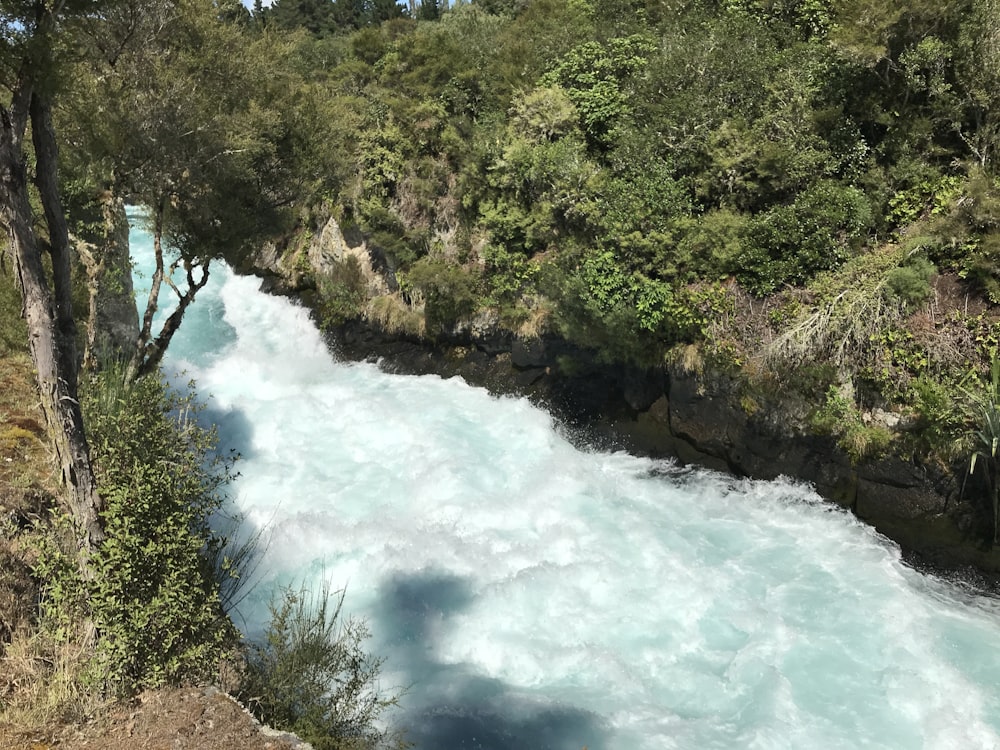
(701, 417)
(692, 407)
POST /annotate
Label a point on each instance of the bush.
(451, 292)
(342, 294)
(312, 676)
(625, 316)
(910, 283)
(839, 416)
(508, 275)
(154, 598)
(791, 244)
(981, 406)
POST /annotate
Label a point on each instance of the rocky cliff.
(686, 409)
(113, 321)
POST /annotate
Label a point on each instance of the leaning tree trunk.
(55, 372)
(43, 136)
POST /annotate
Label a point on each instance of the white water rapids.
(532, 595)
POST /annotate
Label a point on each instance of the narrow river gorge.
(529, 594)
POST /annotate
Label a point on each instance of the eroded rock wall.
(113, 320)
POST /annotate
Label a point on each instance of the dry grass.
(848, 311)
(42, 680)
(26, 466)
(391, 313)
(536, 322)
(37, 679)
(27, 474)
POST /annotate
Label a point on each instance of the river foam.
(532, 595)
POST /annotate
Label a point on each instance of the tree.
(597, 79)
(28, 36)
(180, 129)
(315, 16)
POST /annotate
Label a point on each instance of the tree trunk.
(152, 301)
(43, 136)
(56, 384)
(152, 353)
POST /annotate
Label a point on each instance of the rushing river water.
(532, 595)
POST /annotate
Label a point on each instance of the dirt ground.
(172, 719)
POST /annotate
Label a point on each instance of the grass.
(26, 466)
(35, 678)
(391, 313)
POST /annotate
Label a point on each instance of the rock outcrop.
(113, 320)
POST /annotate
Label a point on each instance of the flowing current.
(532, 595)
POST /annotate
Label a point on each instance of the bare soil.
(169, 719)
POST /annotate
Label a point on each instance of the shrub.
(910, 283)
(451, 292)
(981, 405)
(790, 244)
(311, 675)
(153, 599)
(395, 316)
(508, 275)
(939, 418)
(625, 316)
(839, 416)
(343, 293)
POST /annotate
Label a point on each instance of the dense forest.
(793, 186)
(805, 191)
(801, 191)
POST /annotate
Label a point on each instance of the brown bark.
(43, 136)
(56, 384)
(153, 351)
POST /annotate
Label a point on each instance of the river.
(533, 595)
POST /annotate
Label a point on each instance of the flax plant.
(982, 406)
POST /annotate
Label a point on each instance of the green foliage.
(13, 331)
(508, 275)
(911, 282)
(544, 114)
(811, 18)
(312, 676)
(154, 599)
(939, 419)
(981, 406)
(640, 209)
(624, 315)
(451, 292)
(893, 360)
(342, 294)
(985, 332)
(597, 79)
(839, 416)
(790, 244)
(712, 242)
(932, 195)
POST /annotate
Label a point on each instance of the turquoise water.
(532, 595)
